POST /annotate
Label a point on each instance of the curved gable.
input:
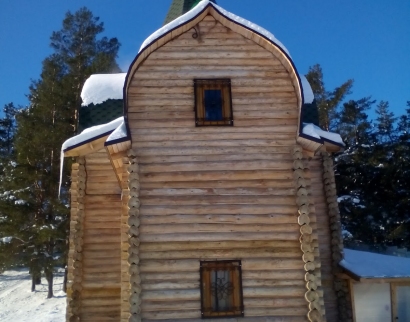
(241, 26)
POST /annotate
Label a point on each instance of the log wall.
(217, 192)
(324, 237)
(101, 274)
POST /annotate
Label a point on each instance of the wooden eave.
(87, 147)
(315, 145)
(234, 26)
(368, 279)
(116, 152)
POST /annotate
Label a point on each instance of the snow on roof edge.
(100, 87)
(308, 95)
(91, 133)
(316, 132)
(119, 133)
(85, 136)
(198, 9)
(372, 265)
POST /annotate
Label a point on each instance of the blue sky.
(367, 40)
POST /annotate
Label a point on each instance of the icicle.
(61, 172)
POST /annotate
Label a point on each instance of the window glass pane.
(221, 290)
(213, 104)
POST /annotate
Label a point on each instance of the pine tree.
(354, 126)
(40, 218)
(373, 180)
(7, 129)
(327, 101)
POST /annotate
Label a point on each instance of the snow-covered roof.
(119, 133)
(371, 265)
(93, 133)
(317, 133)
(197, 10)
(100, 87)
(308, 96)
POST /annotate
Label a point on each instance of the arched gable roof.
(242, 26)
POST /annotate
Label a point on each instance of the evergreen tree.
(373, 180)
(7, 129)
(385, 123)
(354, 126)
(327, 101)
(40, 219)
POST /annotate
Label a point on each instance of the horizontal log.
(270, 219)
(102, 284)
(155, 210)
(289, 274)
(149, 277)
(274, 303)
(217, 236)
(171, 295)
(288, 200)
(99, 302)
(211, 74)
(217, 192)
(114, 263)
(101, 239)
(100, 293)
(206, 66)
(216, 175)
(209, 55)
(102, 224)
(102, 310)
(186, 314)
(295, 311)
(212, 185)
(195, 136)
(149, 306)
(192, 265)
(217, 245)
(177, 285)
(193, 151)
(224, 254)
(91, 317)
(217, 227)
(272, 292)
(212, 143)
(235, 83)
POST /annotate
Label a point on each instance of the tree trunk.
(33, 282)
(49, 277)
(38, 279)
(65, 279)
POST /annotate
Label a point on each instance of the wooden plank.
(226, 254)
(219, 245)
(270, 219)
(216, 175)
(216, 228)
(214, 200)
(192, 237)
(156, 210)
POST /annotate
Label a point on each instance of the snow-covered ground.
(19, 304)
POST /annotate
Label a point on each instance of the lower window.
(221, 289)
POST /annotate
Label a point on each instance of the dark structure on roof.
(179, 7)
(105, 112)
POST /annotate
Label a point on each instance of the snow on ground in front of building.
(19, 304)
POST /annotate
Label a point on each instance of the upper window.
(213, 105)
(221, 289)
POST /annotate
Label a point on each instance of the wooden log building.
(211, 196)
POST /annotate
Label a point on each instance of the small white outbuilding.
(380, 286)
